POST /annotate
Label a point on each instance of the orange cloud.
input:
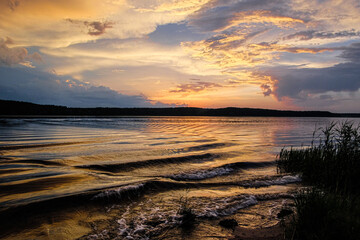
(241, 49)
(274, 47)
(227, 50)
(253, 17)
(55, 9)
(182, 7)
(194, 87)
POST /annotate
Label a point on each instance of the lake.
(127, 177)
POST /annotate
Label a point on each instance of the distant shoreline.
(15, 109)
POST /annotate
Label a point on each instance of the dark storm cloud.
(352, 53)
(46, 88)
(299, 83)
(311, 34)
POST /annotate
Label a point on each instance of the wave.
(37, 185)
(207, 147)
(158, 186)
(180, 142)
(34, 161)
(17, 147)
(154, 220)
(120, 191)
(218, 171)
(277, 181)
(29, 176)
(226, 206)
(204, 174)
(129, 192)
(140, 164)
(9, 171)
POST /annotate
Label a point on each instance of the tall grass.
(330, 208)
(333, 164)
(188, 217)
(325, 215)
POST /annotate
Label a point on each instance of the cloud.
(352, 53)
(15, 55)
(266, 89)
(194, 87)
(45, 23)
(298, 83)
(219, 15)
(11, 56)
(223, 41)
(225, 50)
(311, 34)
(95, 28)
(13, 4)
(222, 15)
(47, 88)
(36, 57)
(234, 49)
(274, 47)
(106, 53)
(98, 28)
(302, 83)
(182, 7)
(254, 17)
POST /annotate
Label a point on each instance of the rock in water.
(228, 223)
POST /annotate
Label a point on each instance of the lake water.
(126, 177)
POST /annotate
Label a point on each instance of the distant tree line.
(15, 108)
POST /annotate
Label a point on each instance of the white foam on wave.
(118, 191)
(154, 219)
(226, 206)
(146, 224)
(204, 174)
(278, 181)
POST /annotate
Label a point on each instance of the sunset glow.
(279, 54)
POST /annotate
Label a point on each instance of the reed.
(324, 215)
(329, 208)
(186, 213)
(333, 164)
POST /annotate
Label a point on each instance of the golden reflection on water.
(231, 191)
(42, 159)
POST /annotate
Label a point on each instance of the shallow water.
(126, 177)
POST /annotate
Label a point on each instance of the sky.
(277, 54)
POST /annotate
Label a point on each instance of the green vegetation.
(330, 208)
